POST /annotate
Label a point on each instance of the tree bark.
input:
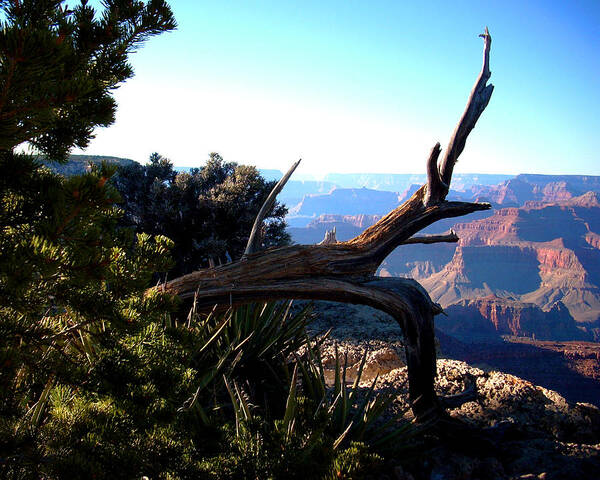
(345, 271)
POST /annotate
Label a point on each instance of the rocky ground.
(536, 432)
(523, 431)
(570, 368)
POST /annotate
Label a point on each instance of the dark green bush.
(208, 212)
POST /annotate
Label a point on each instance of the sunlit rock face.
(540, 253)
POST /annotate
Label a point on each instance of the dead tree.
(345, 271)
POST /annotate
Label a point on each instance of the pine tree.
(71, 280)
(59, 67)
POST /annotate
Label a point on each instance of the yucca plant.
(265, 330)
(252, 345)
(322, 431)
(354, 414)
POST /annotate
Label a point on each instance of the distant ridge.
(399, 182)
(486, 319)
(347, 201)
(537, 178)
(77, 164)
(535, 188)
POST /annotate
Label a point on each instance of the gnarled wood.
(345, 271)
(435, 186)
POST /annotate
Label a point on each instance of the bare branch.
(402, 298)
(478, 100)
(409, 218)
(254, 240)
(448, 238)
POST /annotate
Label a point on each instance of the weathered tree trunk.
(345, 271)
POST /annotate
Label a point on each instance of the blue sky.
(353, 86)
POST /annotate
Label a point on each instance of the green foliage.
(63, 261)
(352, 414)
(181, 400)
(60, 65)
(208, 212)
(290, 430)
(71, 290)
(260, 451)
(304, 428)
(249, 345)
(356, 462)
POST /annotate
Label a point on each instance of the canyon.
(541, 252)
(521, 287)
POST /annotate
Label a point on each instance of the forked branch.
(436, 188)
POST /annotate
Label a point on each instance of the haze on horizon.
(354, 87)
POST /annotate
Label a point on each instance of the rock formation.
(535, 188)
(487, 319)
